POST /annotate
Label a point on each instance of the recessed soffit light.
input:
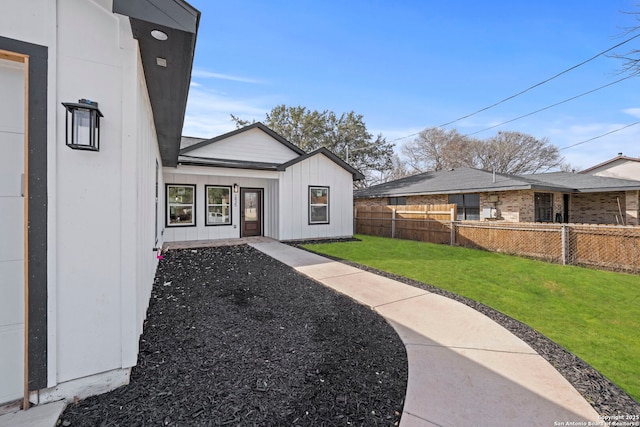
(161, 62)
(159, 35)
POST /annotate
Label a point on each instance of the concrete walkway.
(38, 416)
(464, 369)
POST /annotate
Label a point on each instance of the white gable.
(253, 145)
(622, 168)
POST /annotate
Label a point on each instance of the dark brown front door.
(250, 212)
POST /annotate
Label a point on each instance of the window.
(543, 206)
(396, 201)
(218, 206)
(181, 203)
(468, 206)
(318, 205)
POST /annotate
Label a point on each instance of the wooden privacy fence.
(610, 247)
(426, 223)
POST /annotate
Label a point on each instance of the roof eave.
(256, 125)
(168, 86)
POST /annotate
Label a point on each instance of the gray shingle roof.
(188, 141)
(584, 183)
(470, 180)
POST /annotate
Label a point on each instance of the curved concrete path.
(464, 368)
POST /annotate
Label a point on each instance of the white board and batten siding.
(100, 238)
(317, 170)
(202, 177)
(141, 232)
(254, 145)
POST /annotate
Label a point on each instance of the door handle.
(22, 185)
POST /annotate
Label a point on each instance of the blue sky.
(407, 65)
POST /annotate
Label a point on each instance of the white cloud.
(200, 73)
(589, 152)
(635, 112)
(209, 112)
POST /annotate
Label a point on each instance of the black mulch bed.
(605, 397)
(234, 337)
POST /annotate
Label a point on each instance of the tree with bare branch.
(507, 152)
(435, 149)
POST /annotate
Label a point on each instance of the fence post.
(564, 244)
(355, 221)
(452, 239)
(393, 223)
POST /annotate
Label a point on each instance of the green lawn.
(594, 314)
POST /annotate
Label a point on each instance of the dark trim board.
(166, 205)
(37, 207)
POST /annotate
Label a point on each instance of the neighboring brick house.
(545, 197)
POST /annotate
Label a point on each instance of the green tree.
(345, 135)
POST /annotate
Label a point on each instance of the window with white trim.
(468, 206)
(218, 205)
(318, 205)
(543, 206)
(181, 205)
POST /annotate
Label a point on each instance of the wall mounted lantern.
(235, 188)
(83, 125)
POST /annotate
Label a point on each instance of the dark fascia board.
(168, 86)
(606, 189)
(256, 125)
(322, 150)
(174, 14)
(225, 163)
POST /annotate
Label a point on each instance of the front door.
(12, 212)
(250, 212)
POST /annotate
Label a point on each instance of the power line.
(530, 88)
(405, 137)
(551, 106)
(600, 136)
(541, 83)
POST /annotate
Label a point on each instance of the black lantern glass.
(83, 125)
